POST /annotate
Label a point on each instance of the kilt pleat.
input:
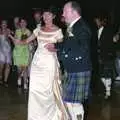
(76, 87)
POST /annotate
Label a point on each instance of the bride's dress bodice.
(44, 38)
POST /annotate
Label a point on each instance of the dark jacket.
(74, 52)
(106, 45)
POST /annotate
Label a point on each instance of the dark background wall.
(11, 8)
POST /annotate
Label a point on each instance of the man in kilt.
(106, 53)
(75, 57)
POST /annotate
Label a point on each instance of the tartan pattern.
(76, 87)
(107, 69)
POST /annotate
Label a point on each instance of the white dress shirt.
(100, 32)
(73, 22)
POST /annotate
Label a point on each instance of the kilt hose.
(76, 87)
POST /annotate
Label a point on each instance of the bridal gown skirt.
(45, 101)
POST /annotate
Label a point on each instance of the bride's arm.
(59, 36)
(28, 40)
(31, 38)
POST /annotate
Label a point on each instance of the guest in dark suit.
(75, 57)
(37, 17)
(36, 24)
(106, 53)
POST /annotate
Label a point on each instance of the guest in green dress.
(21, 53)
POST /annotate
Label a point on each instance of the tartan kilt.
(107, 69)
(76, 87)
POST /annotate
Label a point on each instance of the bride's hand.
(50, 47)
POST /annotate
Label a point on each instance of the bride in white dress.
(45, 102)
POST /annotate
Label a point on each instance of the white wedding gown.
(45, 101)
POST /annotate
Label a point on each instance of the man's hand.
(50, 47)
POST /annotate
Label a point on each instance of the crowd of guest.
(12, 55)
